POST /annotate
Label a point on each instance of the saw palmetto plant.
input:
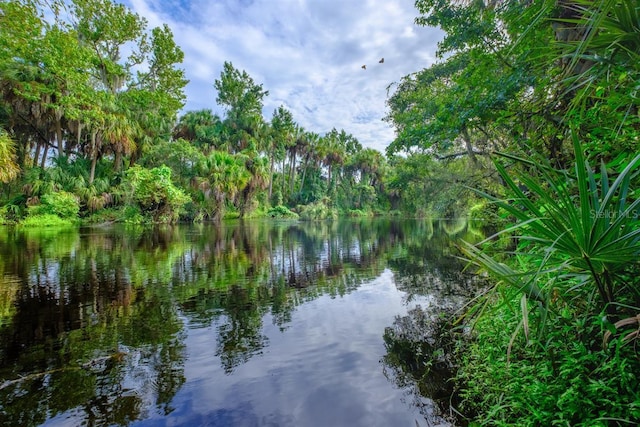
(577, 235)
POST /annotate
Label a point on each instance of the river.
(253, 323)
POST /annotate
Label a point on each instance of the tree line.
(89, 117)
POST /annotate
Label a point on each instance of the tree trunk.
(292, 172)
(567, 33)
(271, 177)
(44, 156)
(94, 157)
(78, 138)
(219, 212)
(304, 173)
(58, 114)
(36, 155)
(467, 143)
(284, 181)
(117, 161)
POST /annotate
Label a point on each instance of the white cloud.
(307, 53)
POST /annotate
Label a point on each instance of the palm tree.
(268, 144)
(201, 127)
(257, 166)
(8, 166)
(597, 40)
(299, 146)
(119, 135)
(333, 154)
(222, 176)
(369, 163)
(310, 155)
(23, 87)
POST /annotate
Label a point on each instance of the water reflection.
(111, 326)
(420, 344)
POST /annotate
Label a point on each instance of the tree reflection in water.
(420, 345)
(93, 321)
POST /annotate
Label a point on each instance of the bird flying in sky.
(364, 67)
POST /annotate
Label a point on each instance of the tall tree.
(455, 104)
(223, 176)
(310, 156)
(66, 86)
(242, 100)
(156, 94)
(283, 136)
(201, 127)
(333, 154)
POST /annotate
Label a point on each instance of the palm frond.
(584, 223)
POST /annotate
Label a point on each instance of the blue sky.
(307, 53)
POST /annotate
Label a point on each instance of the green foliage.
(107, 215)
(317, 210)
(94, 91)
(10, 214)
(574, 275)
(4, 216)
(61, 203)
(572, 383)
(67, 84)
(154, 194)
(603, 64)
(238, 92)
(45, 220)
(242, 99)
(358, 213)
(582, 227)
(8, 166)
(221, 178)
(483, 211)
(202, 128)
(133, 215)
(488, 216)
(480, 89)
(281, 212)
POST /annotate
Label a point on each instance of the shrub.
(62, 204)
(133, 215)
(45, 220)
(281, 211)
(355, 213)
(9, 214)
(541, 355)
(152, 191)
(569, 383)
(317, 210)
(104, 215)
(488, 214)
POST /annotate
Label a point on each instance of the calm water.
(247, 324)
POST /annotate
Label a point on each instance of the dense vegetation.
(90, 130)
(544, 95)
(529, 118)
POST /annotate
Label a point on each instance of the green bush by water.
(46, 220)
(555, 341)
(565, 377)
(61, 203)
(281, 211)
(317, 210)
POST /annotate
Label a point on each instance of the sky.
(307, 53)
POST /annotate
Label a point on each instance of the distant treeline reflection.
(73, 302)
